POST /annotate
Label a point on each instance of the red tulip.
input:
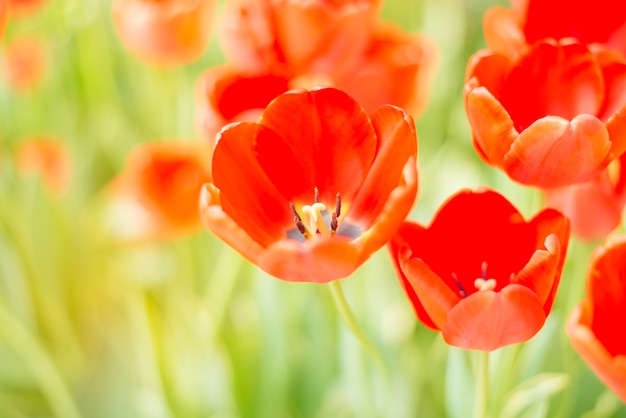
(595, 207)
(313, 188)
(480, 273)
(596, 327)
(165, 32)
(156, 196)
(224, 96)
(24, 8)
(46, 157)
(554, 117)
(293, 37)
(396, 68)
(510, 31)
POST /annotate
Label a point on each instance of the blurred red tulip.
(224, 96)
(510, 31)
(554, 117)
(315, 187)
(594, 207)
(157, 194)
(480, 273)
(24, 8)
(24, 63)
(294, 37)
(4, 14)
(46, 157)
(396, 68)
(596, 327)
(165, 32)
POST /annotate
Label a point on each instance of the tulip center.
(314, 220)
(481, 283)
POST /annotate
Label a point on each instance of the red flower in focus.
(293, 37)
(24, 8)
(511, 31)
(480, 273)
(46, 157)
(313, 188)
(595, 207)
(24, 62)
(596, 327)
(554, 117)
(224, 96)
(165, 32)
(156, 196)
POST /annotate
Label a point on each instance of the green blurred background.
(185, 327)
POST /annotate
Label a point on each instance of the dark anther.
(333, 223)
(483, 268)
(462, 291)
(298, 220)
(338, 205)
(317, 195)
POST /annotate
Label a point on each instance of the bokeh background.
(184, 327)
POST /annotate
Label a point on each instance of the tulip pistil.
(482, 283)
(315, 219)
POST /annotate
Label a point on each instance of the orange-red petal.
(503, 33)
(247, 194)
(397, 142)
(488, 320)
(493, 131)
(325, 135)
(610, 369)
(316, 261)
(555, 152)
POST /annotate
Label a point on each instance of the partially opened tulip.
(224, 95)
(480, 273)
(594, 207)
(156, 196)
(596, 327)
(46, 157)
(314, 187)
(165, 32)
(554, 117)
(509, 31)
(293, 37)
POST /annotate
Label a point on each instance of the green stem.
(348, 317)
(28, 348)
(481, 399)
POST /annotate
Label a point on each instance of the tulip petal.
(224, 226)
(616, 126)
(247, 194)
(407, 235)
(554, 152)
(493, 132)
(553, 80)
(488, 320)
(503, 33)
(326, 134)
(538, 275)
(610, 369)
(315, 261)
(397, 143)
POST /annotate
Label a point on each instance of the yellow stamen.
(313, 218)
(482, 284)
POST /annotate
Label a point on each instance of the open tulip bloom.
(314, 187)
(596, 327)
(480, 273)
(555, 116)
